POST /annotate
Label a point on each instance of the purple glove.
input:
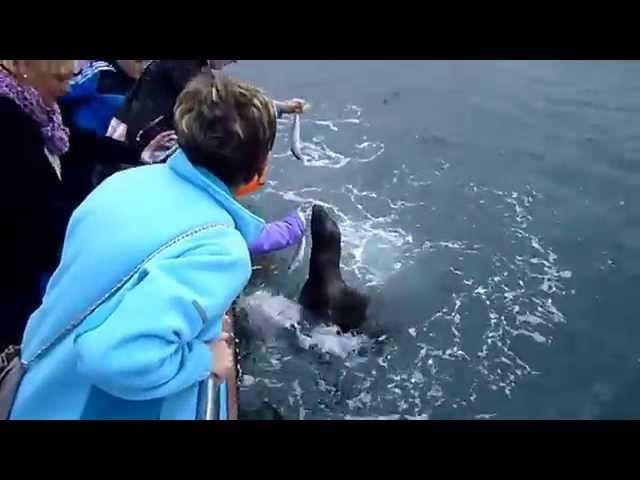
(279, 235)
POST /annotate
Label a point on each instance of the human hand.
(295, 105)
(227, 322)
(304, 211)
(220, 64)
(222, 356)
(158, 149)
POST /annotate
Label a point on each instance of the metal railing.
(214, 400)
(218, 399)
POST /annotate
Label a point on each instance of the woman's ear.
(20, 69)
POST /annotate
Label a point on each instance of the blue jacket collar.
(249, 225)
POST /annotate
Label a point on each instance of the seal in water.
(325, 293)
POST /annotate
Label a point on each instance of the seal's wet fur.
(325, 293)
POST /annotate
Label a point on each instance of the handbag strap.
(72, 326)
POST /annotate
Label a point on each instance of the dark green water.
(494, 206)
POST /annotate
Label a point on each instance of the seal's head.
(326, 241)
(323, 227)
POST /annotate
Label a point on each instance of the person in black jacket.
(96, 93)
(35, 200)
(145, 120)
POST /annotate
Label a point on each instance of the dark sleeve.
(87, 147)
(92, 157)
(32, 196)
(153, 97)
(180, 72)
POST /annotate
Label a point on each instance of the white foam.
(320, 153)
(326, 123)
(531, 319)
(268, 313)
(381, 417)
(328, 340)
(535, 335)
(363, 238)
(361, 401)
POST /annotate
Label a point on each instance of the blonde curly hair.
(54, 67)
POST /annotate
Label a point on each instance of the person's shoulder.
(224, 251)
(16, 124)
(172, 65)
(114, 82)
(222, 239)
(91, 71)
(181, 71)
(11, 111)
(85, 83)
(226, 247)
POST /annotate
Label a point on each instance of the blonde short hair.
(48, 66)
(226, 126)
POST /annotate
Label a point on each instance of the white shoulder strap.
(64, 333)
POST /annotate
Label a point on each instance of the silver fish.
(297, 257)
(295, 138)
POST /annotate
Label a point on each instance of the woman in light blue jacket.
(145, 351)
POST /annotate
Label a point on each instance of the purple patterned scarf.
(54, 133)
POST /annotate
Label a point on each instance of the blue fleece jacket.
(143, 354)
(95, 95)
